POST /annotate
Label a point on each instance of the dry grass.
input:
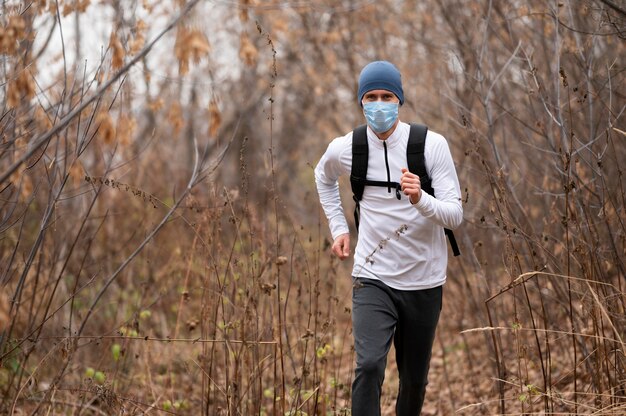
(149, 267)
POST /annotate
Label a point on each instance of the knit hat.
(380, 75)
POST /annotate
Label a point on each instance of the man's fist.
(341, 246)
(411, 186)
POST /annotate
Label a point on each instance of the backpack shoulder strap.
(358, 172)
(360, 154)
(417, 165)
(415, 155)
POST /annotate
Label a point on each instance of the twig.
(158, 339)
(548, 331)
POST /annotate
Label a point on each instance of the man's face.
(379, 95)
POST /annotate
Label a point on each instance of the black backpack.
(415, 161)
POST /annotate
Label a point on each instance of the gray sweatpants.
(381, 314)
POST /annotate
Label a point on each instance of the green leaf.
(99, 377)
(116, 349)
(167, 405)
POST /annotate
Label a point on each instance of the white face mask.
(380, 116)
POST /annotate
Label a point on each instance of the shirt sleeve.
(327, 172)
(446, 209)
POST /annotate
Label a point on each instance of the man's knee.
(413, 385)
(372, 368)
(414, 380)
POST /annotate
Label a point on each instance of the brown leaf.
(156, 105)
(106, 129)
(13, 95)
(44, 123)
(181, 50)
(21, 88)
(191, 44)
(136, 44)
(175, 117)
(77, 173)
(40, 6)
(199, 45)
(215, 118)
(247, 51)
(81, 5)
(244, 6)
(27, 186)
(12, 34)
(125, 128)
(117, 51)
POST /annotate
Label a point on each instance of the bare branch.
(44, 138)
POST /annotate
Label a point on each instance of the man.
(401, 255)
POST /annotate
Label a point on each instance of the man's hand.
(341, 246)
(410, 185)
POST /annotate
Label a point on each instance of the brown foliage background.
(162, 248)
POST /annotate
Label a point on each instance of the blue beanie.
(380, 75)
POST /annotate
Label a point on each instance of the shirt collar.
(401, 133)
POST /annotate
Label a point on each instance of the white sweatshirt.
(401, 244)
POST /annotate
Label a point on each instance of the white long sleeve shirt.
(399, 243)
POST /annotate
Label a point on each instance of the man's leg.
(418, 314)
(374, 318)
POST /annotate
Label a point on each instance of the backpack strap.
(415, 155)
(358, 173)
(417, 165)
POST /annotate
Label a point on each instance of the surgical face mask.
(380, 116)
